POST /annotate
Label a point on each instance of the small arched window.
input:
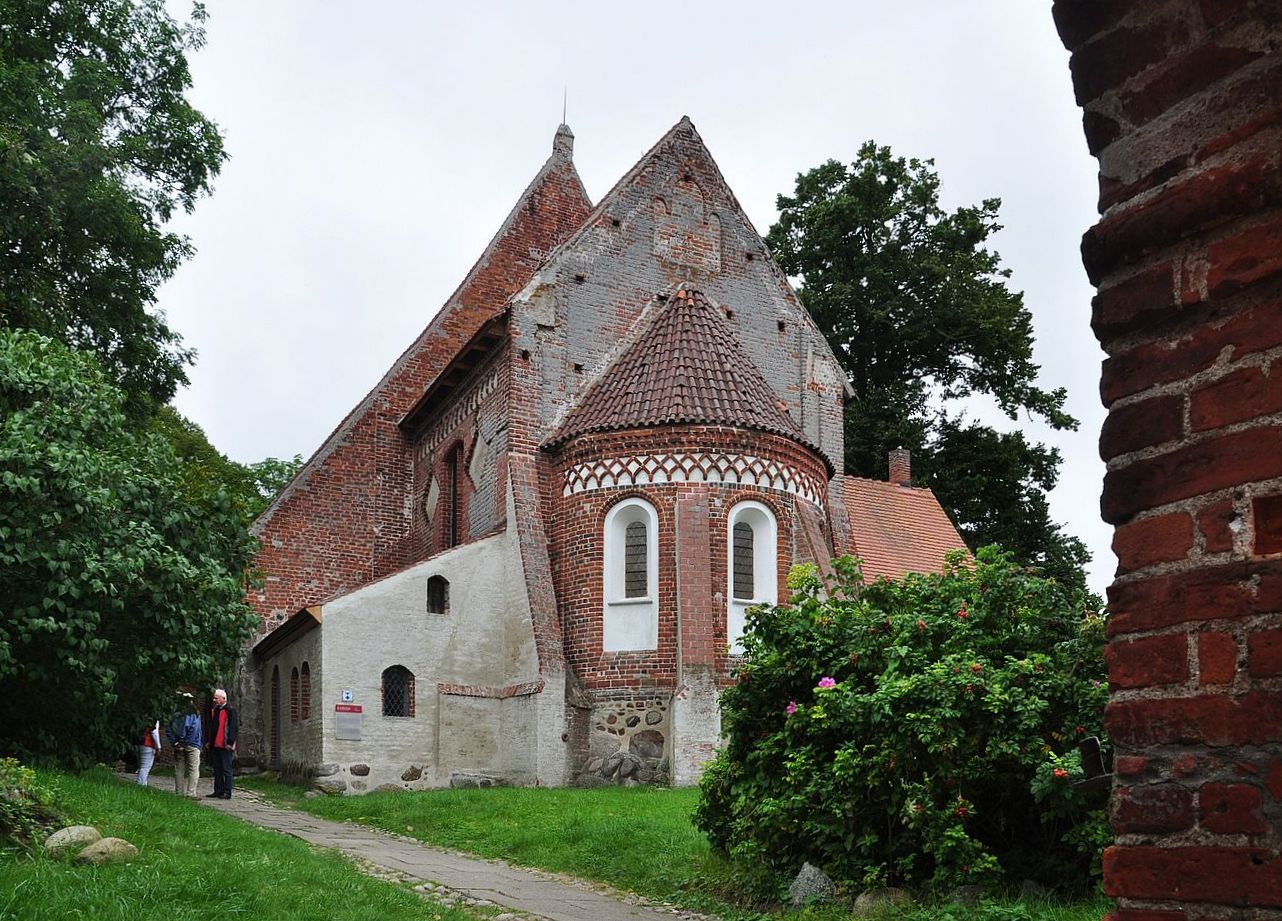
(293, 695)
(630, 582)
(438, 595)
(398, 691)
(305, 692)
(752, 576)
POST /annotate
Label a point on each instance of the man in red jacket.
(223, 726)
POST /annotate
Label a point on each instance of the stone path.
(506, 886)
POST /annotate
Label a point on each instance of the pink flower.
(1060, 773)
(791, 708)
(825, 682)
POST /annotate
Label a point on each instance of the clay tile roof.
(896, 529)
(687, 367)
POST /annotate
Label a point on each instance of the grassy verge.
(639, 839)
(194, 865)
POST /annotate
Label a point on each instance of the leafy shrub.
(26, 805)
(916, 733)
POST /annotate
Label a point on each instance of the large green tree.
(918, 311)
(99, 147)
(123, 569)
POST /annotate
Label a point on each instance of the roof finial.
(563, 143)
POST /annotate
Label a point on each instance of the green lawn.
(638, 839)
(193, 864)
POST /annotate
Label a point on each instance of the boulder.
(629, 765)
(312, 794)
(389, 788)
(326, 769)
(108, 850)
(611, 764)
(331, 784)
(811, 885)
(412, 773)
(648, 743)
(873, 901)
(653, 718)
(359, 770)
(969, 896)
(71, 839)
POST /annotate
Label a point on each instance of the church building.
(526, 555)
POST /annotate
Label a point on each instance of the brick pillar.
(1182, 106)
(696, 714)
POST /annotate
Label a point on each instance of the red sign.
(347, 708)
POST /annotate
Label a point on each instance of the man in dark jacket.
(223, 726)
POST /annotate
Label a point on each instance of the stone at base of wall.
(470, 779)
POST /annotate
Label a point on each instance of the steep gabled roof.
(896, 529)
(686, 367)
(552, 207)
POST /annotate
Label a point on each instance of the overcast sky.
(376, 147)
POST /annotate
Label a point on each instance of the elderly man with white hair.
(223, 726)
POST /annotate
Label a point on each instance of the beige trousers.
(186, 771)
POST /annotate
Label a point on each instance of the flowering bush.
(918, 733)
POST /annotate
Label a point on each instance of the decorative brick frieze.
(525, 689)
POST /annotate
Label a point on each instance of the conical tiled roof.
(686, 368)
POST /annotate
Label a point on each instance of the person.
(147, 752)
(185, 736)
(223, 727)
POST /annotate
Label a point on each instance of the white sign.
(347, 695)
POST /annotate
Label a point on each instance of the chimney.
(901, 467)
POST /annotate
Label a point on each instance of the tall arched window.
(752, 555)
(398, 691)
(293, 695)
(630, 583)
(305, 692)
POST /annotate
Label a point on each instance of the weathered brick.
(1254, 718)
(1264, 653)
(1267, 518)
(1215, 522)
(1214, 592)
(1201, 200)
(1130, 765)
(1078, 21)
(1216, 658)
(1141, 425)
(1183, 75)
(1245, 331)
(1246, 257)
(1224, 875)
(1152, 540)
(1158, 807)
(1148, 662)
(1112, 58)
(1229, 460)
(1230, 809)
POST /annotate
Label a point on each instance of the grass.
(194, 865)
(638, 839)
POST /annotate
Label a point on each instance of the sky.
(376, 147)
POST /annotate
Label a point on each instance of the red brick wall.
(575, 530)
(1182, 102)
(344, 520)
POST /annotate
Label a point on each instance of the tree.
(98, 148)
(918, 312)
(121, 582)
(205, 470)
(920, 732)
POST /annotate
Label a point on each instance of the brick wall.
(1182, 102)
(345, 519)
(575, 544)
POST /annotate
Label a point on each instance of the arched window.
(398, 691)
(630, 583)
(752, 571)
(293, 695)
(438, 595)
(305, 692)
